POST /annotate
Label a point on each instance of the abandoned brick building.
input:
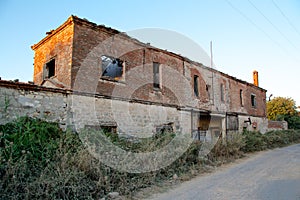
(110, 80)
(216, 102)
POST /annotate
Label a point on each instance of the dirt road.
(268, 175)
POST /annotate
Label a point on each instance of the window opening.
(50, 67)
(253, 100)
(241, 98)
(222, 92)
(112, 68)
(196, 91)
(156, 76)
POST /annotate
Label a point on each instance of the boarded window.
(253, 100)
(222, 92)
(50, 68)
(196, 91)
(156, 76)
(232, 123)
(112, 68)
(204, 121)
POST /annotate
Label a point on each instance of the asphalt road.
(268, 175)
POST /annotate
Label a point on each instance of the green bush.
(35, 162)
(282, 138)
(254, 141)
(32, 139)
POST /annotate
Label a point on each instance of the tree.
(281, 108)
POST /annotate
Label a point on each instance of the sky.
(246, 35)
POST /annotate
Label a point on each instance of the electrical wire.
(286, 18)
(275, 27)
(260, 29)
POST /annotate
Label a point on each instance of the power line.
(254, 24)
(286, 18)
(275, 27)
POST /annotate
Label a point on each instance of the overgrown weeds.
(39, 161)
(255, 141)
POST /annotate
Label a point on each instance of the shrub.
(39, 161)
(254, 141)
(228, 149)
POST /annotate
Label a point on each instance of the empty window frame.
(241, 98)
(112, 68)
(164, 128)
(222, 92)
(209, 92)
(156, 76)
(253, 100)
(50, 68)
(109, 129)
(196, 85)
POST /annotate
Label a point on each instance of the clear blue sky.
(261, 35)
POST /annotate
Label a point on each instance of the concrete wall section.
(257, 124)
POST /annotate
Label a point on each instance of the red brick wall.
(277, 125)
(102, 42)
(235, 103)
(78, 48)
(57, 45)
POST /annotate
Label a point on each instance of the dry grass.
(39, 161)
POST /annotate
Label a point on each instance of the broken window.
(196, 91)
(222, 92)
(112, 68)
(50, 68)
(156, 76)
(253, 100)
(241, 97)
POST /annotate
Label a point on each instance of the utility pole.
(212, 74)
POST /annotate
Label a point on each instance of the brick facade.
(77, 47)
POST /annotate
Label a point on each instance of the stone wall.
(129, 117)
(19, 99)
(80, 110)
